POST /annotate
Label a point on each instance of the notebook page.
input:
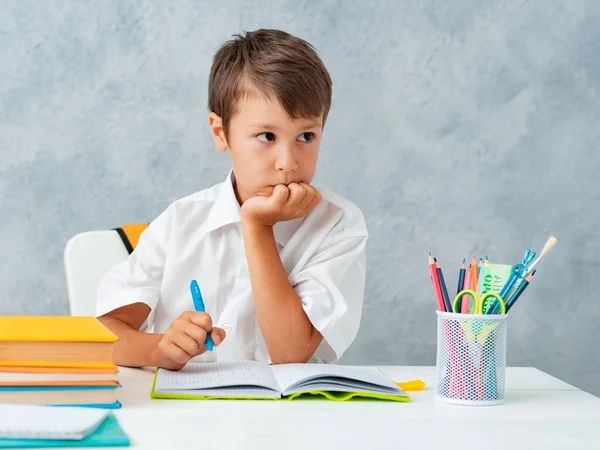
(292, 375)
(48, 422)
(216, 375)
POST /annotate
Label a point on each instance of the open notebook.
(256, 380)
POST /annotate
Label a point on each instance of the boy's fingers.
(175, 353)
(280, 194)
(217, 335)
(201, 319)
(297, 193)
(315, 201)
(197, 333)
(311, 193)
(188, 344)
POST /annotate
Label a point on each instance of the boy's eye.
(266, 137)
(306, 137)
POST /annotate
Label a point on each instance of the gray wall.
(463, 127)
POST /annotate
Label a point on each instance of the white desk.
(540, 412)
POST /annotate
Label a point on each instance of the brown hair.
(275, 64)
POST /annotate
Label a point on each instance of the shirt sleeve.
(331, 286)
(139, 277)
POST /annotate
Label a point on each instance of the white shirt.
(199, 237)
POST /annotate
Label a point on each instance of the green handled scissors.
(481, 305)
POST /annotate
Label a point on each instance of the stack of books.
(57, 360)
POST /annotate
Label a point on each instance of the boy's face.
(267, 147)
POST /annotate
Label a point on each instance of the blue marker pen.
(199, 307)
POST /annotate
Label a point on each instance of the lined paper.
(216, 375)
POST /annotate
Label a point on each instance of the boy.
(281, 266)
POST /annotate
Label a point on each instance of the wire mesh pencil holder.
(471, 358)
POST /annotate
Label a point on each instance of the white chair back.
(88, 256)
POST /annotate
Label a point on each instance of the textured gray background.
(461, 127)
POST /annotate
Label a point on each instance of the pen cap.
(471, 358)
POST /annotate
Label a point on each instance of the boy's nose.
(286, 161)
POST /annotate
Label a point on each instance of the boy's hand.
(185, 338)
(286, 203)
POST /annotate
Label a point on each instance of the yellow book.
(55, 341)
(256, 380)
(54, 328)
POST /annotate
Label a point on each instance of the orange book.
(54, 369)
(72, 341)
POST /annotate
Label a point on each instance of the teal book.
(108, 434)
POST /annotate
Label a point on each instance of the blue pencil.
(443, 287)
(518, 291)
(461, 276)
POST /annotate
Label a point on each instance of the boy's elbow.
(302, 355)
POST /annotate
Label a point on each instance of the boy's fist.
(285, 203)
(185, 338)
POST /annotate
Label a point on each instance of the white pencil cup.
(471, 358)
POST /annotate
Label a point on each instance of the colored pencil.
(443, 287)
(511, 301)
(461, 276)
(474, 277)
(436, 284)
(464, 303)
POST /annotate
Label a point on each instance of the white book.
(49, 422)
(252, 379)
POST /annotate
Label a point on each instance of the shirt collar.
(226, 209)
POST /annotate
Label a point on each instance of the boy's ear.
(216, 129)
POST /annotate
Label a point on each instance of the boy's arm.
(289, 334)
(126, 297)
(134, 348)
(324, 300)
(183, 340)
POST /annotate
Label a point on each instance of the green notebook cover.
(108, 434)
(338, 396)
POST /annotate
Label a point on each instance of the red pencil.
(436, 284)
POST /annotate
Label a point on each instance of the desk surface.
(540, 412)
